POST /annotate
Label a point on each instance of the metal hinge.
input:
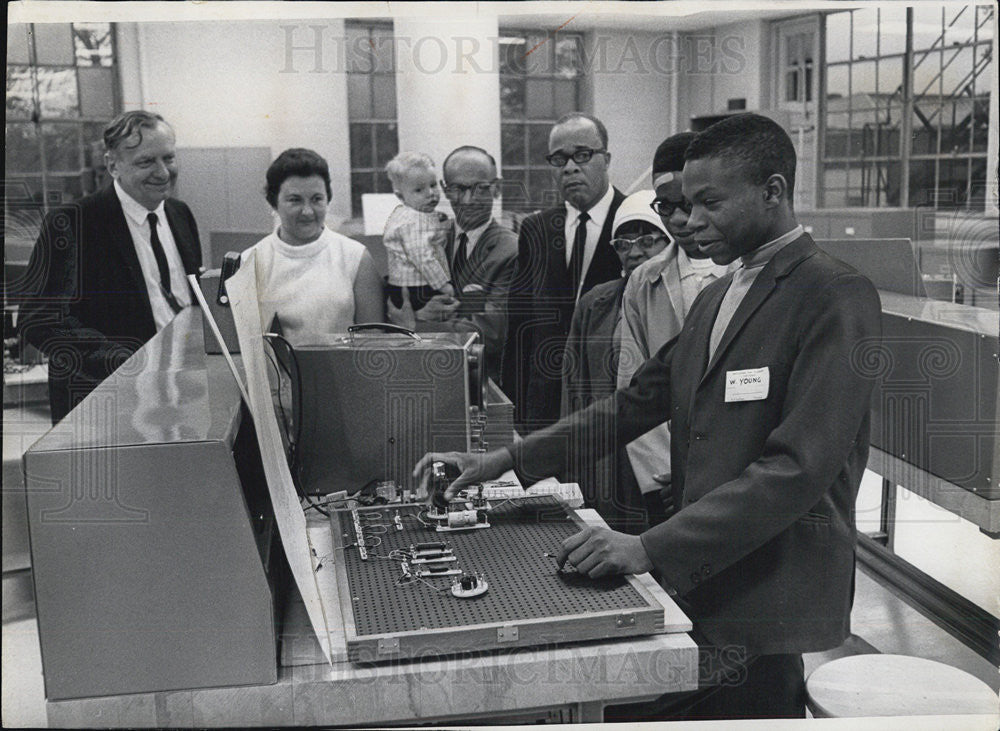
(388, 646)
(506, 634)
(625, 620)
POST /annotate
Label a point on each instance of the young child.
(415, 233)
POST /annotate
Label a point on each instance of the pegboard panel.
(523, 582)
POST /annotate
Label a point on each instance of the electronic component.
(430, 571)
(469, 585)
(386, 491)
(463, 516)
(359, 535)
(397, 520)
(429, 546)
(434, 558)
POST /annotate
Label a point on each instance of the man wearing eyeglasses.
(481, 254)
(562, 253)
(656, 300)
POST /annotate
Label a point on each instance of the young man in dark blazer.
(767, 388)
(108, 271)
(562, 253)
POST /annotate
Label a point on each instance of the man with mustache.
(108, 271)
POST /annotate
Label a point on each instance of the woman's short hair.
(404, 162)
(295, 162)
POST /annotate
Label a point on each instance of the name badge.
(749, 385)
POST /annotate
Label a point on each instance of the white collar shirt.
(136, 216)
(695, 275)
(598, 215)
(473, 234)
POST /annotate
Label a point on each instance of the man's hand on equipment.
(601, 552)
(474, 468)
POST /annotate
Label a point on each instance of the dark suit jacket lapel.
(183, 237)
(780, 265)
(120, 238)
(604, 260)
(555, 249)
(487, 241)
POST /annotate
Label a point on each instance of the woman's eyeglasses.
(666, 208)
(645, 242)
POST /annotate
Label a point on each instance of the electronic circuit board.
(390, 612)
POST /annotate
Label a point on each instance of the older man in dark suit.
(562, 253)
(768, 398)
(109, 271)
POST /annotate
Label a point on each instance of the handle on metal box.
(384, 327)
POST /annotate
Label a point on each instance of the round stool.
(895, 685)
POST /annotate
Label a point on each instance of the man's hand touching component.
(475, 467)
(601, 552)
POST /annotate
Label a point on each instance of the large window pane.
(93, 144)
(892, 29)
(838, 81)
(981, 124)
(539, 82)
(539, 56)
(927, 27)
(925, 131)
(382, 43)
(838, 37)
(386, 143)
(564, 98)
(890, 78)
(358, 51)
(23, 154)
(17, 43)
(959, 25)
(512, 59)
(538, 99)
(359, 104)
(538, 143)
(362, 150)
(96, 92)
(953, 182)
(864, 83)
(54, 44)
(865, 33)
(57, 92)
(568, 59)
(62, 147)
(838, 133)
(511, 96)
(984, 22)
(384, 93)
(361, 183)
(19, 96)
(92, 44)
(512, 144)
(921, 182)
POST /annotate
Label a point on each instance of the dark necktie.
(461, 262)
(161, 263)
(579, 249)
